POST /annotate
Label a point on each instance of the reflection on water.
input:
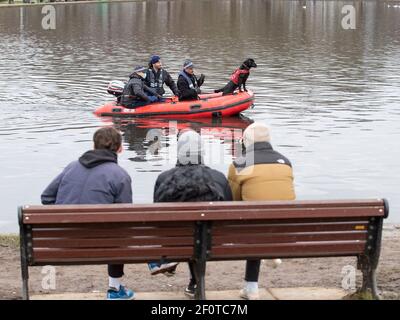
(148, 137)
(330, 95)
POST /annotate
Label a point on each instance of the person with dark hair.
(136, 93)
(156, 76)
(190, 180)
(188, 84)
(96, 178)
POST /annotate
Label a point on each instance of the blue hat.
(139, 69)
(154, 59)
(188, 64)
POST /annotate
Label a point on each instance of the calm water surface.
(331, 96)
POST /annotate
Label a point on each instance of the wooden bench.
(202, 231)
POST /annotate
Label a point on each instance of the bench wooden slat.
(255, 238)
(79, 217)
(111, 242)
(238, 228)
(43, 254)
(296, 220)
(117, 225)
(111, 260)
(182, 206)
(288, 250)
(109, 233)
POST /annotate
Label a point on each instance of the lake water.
(331, 96)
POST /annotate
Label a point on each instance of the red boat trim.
(137, 115)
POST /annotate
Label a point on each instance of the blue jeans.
(145, 103)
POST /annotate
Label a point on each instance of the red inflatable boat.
(209, 105)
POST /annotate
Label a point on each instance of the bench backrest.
(100, 234)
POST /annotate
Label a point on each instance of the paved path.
(265, 294)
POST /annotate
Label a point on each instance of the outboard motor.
(116, 87)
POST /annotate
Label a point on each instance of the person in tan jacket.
(260, 174)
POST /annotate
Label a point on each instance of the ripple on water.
(331, 97)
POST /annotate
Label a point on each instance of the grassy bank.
(9, 240)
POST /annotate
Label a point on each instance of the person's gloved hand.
(151, 99)
(200, 81)
(198, 90)
(159, 97)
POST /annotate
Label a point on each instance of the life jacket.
(236, 74)
(153, 82)
(188, 80)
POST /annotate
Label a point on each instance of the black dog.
(238, 78)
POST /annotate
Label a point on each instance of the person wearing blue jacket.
(96, 178)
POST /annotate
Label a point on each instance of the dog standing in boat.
(238, 78)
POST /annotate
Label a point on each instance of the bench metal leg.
(25, 280)
(24, 256)
(202, 242)
(374, 288)
(200, 271)
(368, 262)
(369, 283)
(369, 286)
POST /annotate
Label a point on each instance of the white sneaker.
(165, 267)
(249, 295)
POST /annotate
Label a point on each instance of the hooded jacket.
(95, 178)
(191, 180)
(190, 183)
(134, 91)
(261, 174)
